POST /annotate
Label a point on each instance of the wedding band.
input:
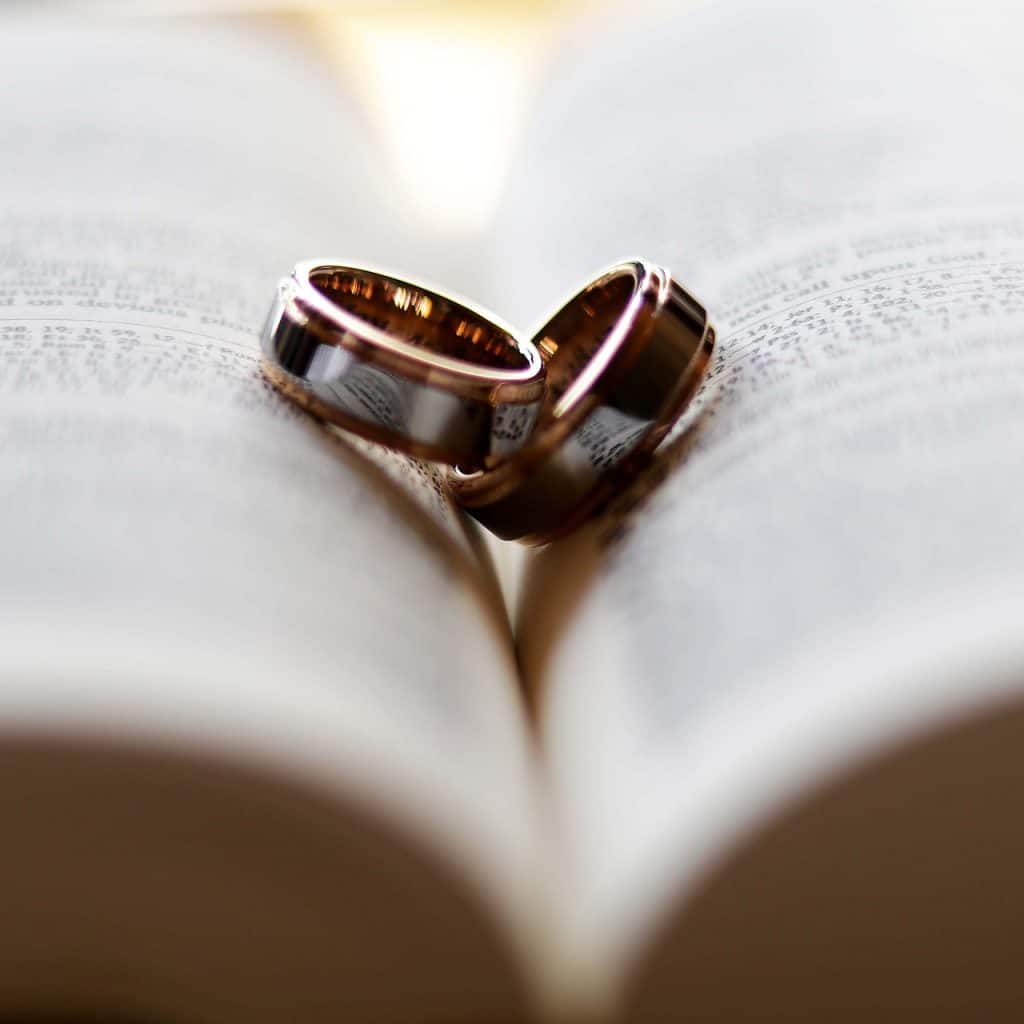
(402, 364)
(624, 357)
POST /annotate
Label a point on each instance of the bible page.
(187, 559)
(827, 554)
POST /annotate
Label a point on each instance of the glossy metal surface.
(402, 364)
(624, 357)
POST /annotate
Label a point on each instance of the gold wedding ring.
(624, 357)
(402, 364)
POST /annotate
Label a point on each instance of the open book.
(275, 745)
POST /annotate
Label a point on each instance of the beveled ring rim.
(333, 324)
(631, 329)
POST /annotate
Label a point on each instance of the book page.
(828, 554)
(188, 561)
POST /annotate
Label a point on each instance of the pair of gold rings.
(538, 433)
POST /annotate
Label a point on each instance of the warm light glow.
(448, 89)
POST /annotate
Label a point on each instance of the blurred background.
(480, 64)
(416, 65)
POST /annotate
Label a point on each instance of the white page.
(184, 556)
(838, 557)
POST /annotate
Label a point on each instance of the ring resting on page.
(402, 364)
(624, 356)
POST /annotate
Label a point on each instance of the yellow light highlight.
(448, 88)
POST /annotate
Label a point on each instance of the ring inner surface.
(420, 317)
(570, 339)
